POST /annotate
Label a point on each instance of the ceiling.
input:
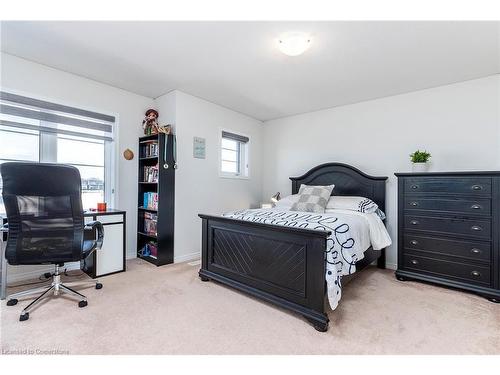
(237, 64)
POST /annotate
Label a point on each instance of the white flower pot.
(420, 167)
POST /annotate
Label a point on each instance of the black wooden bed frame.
(285, 265)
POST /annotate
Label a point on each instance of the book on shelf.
(150, 223)
(150, 150)
(150, 173)
(153, 249)
(150, 249)
(150, 200)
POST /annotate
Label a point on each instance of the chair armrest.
(96, 225)
(4, 228)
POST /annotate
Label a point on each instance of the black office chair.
(45, 221)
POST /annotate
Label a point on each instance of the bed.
(286, 265)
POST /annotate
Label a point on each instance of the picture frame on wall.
(199, 148)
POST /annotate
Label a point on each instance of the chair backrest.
(44, 211)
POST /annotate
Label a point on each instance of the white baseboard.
(15, 277)
(195, 256)
(177, 259)
(391, 266)
(187, 257)
(16, 274)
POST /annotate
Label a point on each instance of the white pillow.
(335, 202)
(287, 202)
(360, 204)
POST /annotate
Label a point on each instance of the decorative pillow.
(287, 202)
(312, 198)
(360, 204)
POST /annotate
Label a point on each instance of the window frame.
(243, 156)
(47, 154)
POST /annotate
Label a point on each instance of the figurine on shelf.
(150, 122)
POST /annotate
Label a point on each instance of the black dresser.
(448, 230)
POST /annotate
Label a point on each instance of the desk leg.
(4, 269)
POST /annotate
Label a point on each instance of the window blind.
(235, 137)
(18, 111)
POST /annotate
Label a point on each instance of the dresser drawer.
(465, 272)
(480, 228)
(480, 251)
(466, 206)
(451, 185)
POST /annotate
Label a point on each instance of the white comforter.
(352, 234)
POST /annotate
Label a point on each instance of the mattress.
(352, 233)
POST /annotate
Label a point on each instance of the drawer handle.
(476, 273)
(414, 261)
(475, 251)
(414, 187)
(476, 207)
(477, 187)
(476, 228)
(414, 204)
(414, 242)
(414, 222)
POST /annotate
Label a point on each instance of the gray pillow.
(312, 198)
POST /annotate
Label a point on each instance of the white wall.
(458, 124)
(40, 81)
(198, 187)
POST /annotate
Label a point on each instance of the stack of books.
(150, 223)
(150, 200)
(150, 174)
(150, 150)
(150, 250)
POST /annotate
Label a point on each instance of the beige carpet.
(168, 310)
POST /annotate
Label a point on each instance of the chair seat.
(88, 246)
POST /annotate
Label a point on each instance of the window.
(35, 130)
(88, 155)
(233, 154)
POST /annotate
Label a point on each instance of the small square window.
(233, 154)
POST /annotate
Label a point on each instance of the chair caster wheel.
(12, 302)
(494, 300)
(98, 286)
(401, 278)
(24, 317)
(82, 303)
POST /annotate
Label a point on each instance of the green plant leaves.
(420, 156)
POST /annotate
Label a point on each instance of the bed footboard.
(281, 265)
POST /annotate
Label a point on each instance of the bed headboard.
(347, 179)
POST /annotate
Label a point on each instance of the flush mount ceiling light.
(294, 44)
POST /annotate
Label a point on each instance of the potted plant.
(420, 160)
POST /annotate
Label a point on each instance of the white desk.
(110, 259)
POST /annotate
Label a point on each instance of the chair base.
(56, 288)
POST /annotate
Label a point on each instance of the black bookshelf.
(164, 187)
